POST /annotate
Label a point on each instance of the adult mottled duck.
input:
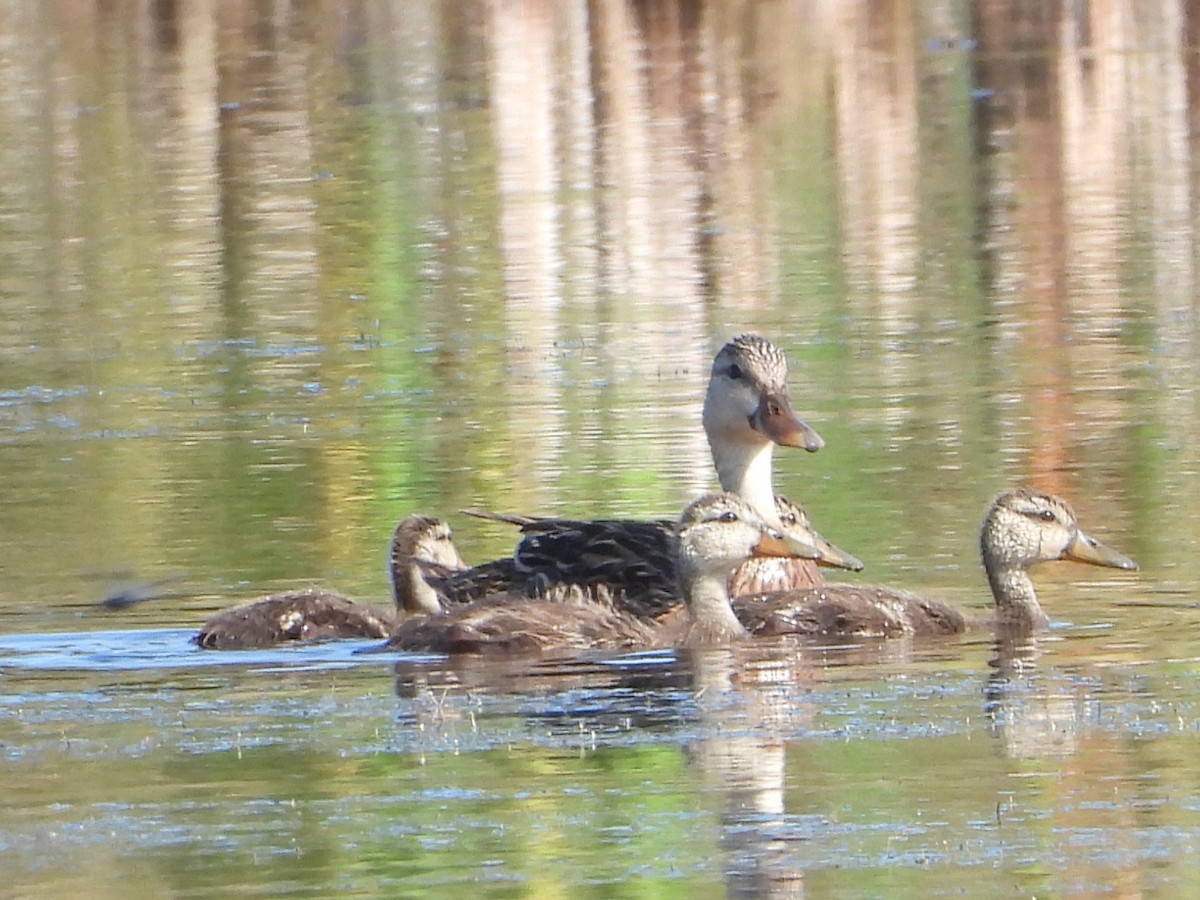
(317, 614)
(1022, 527)
(630, 563)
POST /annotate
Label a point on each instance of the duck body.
(294, 616)
(520, 625)
(1021, 528)
(422, 552)
(714, 534)
(625, 564)
(848, 610)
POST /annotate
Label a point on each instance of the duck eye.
(789, 518)
(735, 371)
(729, 516)
(1046, 515)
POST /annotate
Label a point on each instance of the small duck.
(422, 550)
(1022, 527)
(714, 534)
(747, 412)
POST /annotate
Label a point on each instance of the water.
(273, 278)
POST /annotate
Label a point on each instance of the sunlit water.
(273, 279)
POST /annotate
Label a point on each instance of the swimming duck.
(1022, 527)
(747, 412)
(316, 614)
(713, 535)
(625, 563)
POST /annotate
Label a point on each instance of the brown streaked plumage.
(624, 563)
(630, 563)
(714, 534)
(1021, 528)
(422, 550)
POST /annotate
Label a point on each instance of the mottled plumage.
(1022, 527)
(714, 534)
(422, 548)
(625, 563)
(630, 563)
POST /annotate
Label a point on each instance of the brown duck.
(317, 614)
(1022, 527)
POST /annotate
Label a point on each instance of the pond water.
(275, 275)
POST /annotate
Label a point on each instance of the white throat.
(745, 468)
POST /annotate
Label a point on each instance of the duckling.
(714, 534)
(422, 550)
(1022, 527)
(747, 412)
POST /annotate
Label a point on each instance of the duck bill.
(781, 545)
(1086, 549)
(834, 557)
(776, 419)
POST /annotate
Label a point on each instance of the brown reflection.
(748, 698)
(267, 169)
(1057, 126)
(1024, 208)
(531, 164)
(1032, 715)
(190, 144)
(876, 109)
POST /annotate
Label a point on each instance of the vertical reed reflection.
(332, 229)
(1061, 208)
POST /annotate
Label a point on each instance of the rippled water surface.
(274, 276)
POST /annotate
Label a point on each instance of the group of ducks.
(737, 563)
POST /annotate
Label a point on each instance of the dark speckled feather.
(307, 615)
(626, 564)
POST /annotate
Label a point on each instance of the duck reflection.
(749, 698)
(1032, 711)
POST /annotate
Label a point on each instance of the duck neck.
(745, 469)
(1016, 601)
(708, 605)
(412, 593)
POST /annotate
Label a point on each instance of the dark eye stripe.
(1039, 515)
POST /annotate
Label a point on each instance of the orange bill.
(777, 420)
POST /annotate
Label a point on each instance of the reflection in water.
(748, 702)
(1033, 714)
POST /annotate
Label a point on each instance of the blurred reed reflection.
(347, 260)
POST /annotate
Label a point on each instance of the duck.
(318, 614)
(630, 563)
(625, 563)
(1022, 527)
(713, 535)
